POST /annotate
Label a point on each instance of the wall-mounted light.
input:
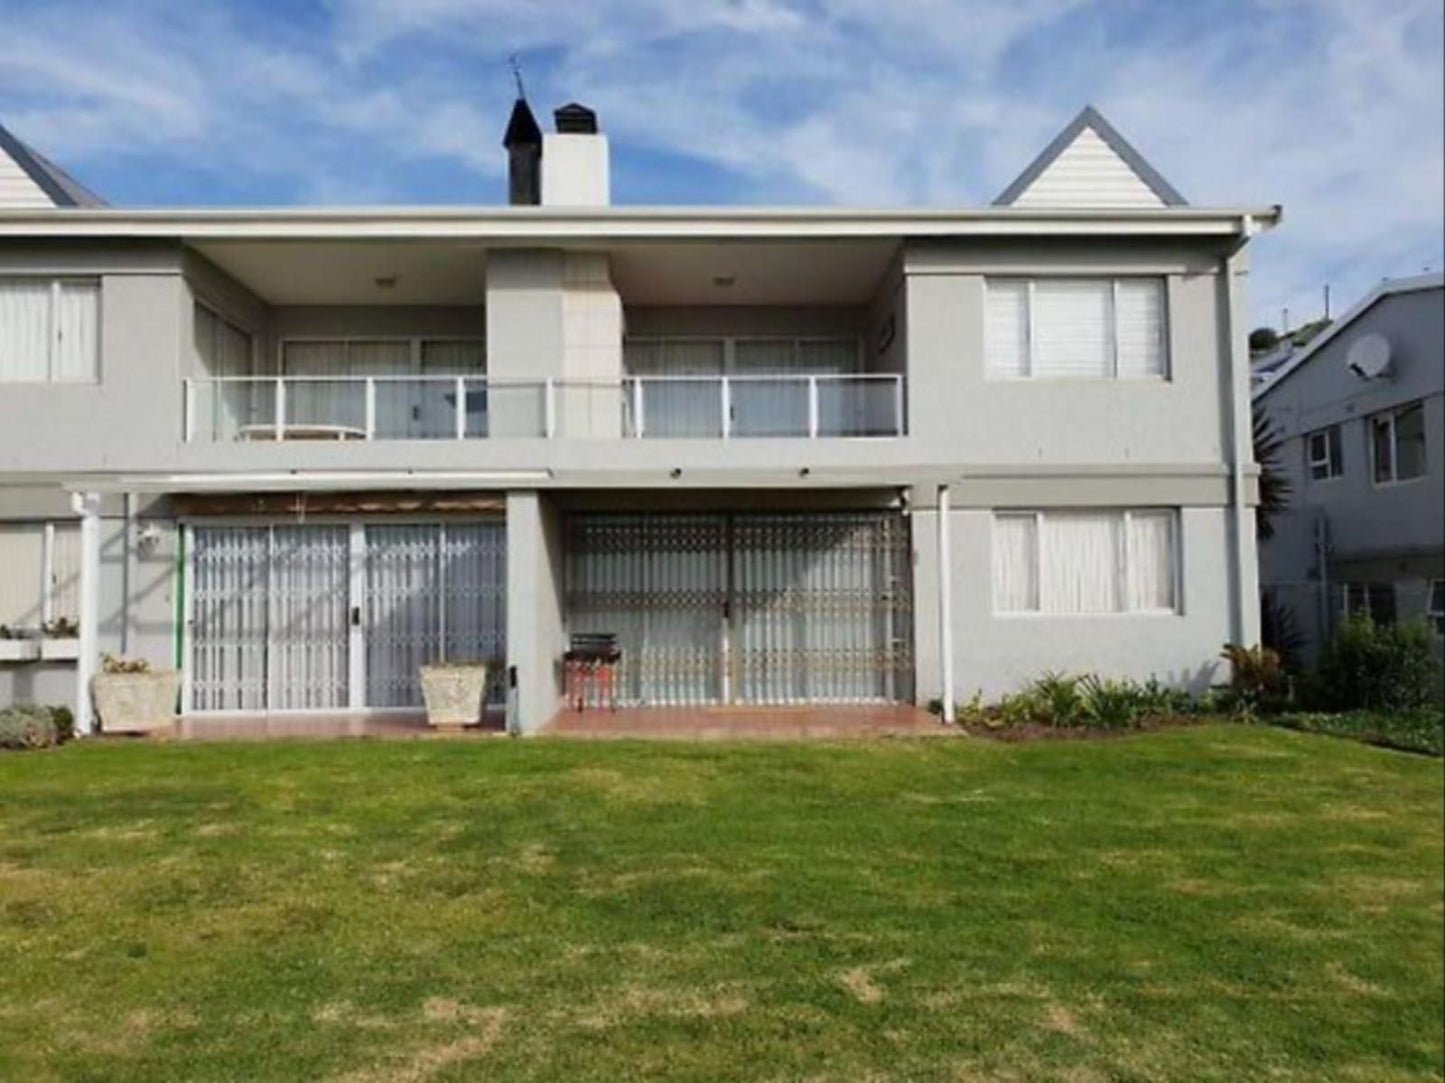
(675, 472)
(147, 539)
(804, 472)
(385, 282)
(724, 281)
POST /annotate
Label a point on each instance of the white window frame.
(1166, 373)
(46, 587)
(1389, 417)
(1435, 606)
(1121, 564)
(1333, 467)
(53, 336)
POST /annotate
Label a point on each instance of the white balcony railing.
(289, 408)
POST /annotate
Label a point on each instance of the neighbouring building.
(815, 455)
(1361, 417)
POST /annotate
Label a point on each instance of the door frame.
(356, 671)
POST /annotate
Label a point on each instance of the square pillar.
(536, 629)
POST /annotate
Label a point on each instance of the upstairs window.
(49, 330)
(1326, 454)
(1076, 328)
(1397, 444)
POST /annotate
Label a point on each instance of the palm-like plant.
(1274, 486)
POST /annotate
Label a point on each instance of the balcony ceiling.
(346, 272)
(312, 272)
(842, 272)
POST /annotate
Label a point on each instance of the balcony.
(346, 408)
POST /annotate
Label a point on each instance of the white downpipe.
(87, 506)
(1239, 430)
(945, 600)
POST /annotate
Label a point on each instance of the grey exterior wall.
(1376, 533)
(995, 443)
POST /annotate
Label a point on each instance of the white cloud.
(1332, 107)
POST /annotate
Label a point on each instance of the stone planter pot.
(136, 702)
(453, 694)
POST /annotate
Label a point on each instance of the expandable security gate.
(320, 617)
(793, 608)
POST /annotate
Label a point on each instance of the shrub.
(1109, 704)
(27, 727)
(1370, 666)
(64, 719)
(1056, 699)
(1256, 678)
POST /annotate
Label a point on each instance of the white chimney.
(575, 169)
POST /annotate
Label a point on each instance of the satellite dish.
(1369, 356)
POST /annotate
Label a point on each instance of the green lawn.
(1221, 902)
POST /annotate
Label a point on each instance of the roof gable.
(1089, 164)
(29, 179)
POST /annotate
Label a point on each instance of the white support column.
(280, 404)
(813, 406)
(638, 428)
(549, 407)
(370, 408)
(726, 397)
(190, 409)
(461, 393)
(945, 601)
(87, 506)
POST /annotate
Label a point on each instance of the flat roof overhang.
(533, 226)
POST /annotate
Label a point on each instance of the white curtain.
(768, 407)
(1071, 323)
(25, 331)
(77, 346)
(64, 583)
(1006, 319)
(1139, 323)
(686, 407)
(1079, 562)
(436, 400)
(1151, 560)
(22, 555)
(1015, 563)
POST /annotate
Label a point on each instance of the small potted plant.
(18, 644)
(60, 639)
(130, 697)
(454, 693)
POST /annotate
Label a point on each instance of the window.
(39, 575)
(49, 330)
(1397, 444)
(1080, 562)
(1373, 600)
(1326, 454)
(225, 349)
(1435, 611)
(1076, 328)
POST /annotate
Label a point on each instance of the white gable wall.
(1088, 173)
(16, 187)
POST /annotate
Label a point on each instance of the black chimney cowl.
(575, 119)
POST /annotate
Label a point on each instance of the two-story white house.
(785, 455)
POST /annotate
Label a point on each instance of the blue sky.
(1331, 107)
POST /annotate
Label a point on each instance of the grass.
(1209, 903)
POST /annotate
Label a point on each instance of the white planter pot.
(19, 650)
(453, 694)
(136, 702)
(60, 650)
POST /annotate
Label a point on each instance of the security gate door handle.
(356, 616)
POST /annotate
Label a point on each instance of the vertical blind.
(27, 600)
(1106, 561)
(1075, 328)
(49, 330)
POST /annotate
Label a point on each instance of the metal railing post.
(461, 387)
(549, 407)
(638, 428)
(726, 398)
(897, 405)
(813, 406)
(280, 418)
(370, 408)
(189, 422)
